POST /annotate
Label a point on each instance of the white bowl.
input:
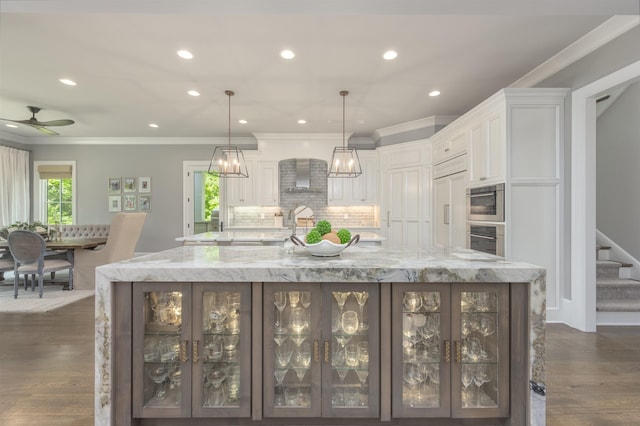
(326, 248)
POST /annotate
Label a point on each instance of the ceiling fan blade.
(64, 122)
(45, 130)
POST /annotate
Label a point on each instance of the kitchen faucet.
(292, 217)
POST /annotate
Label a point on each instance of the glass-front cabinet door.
(450, 353)
(321, 356)
(221, 350)
(480, 330)
(421, 354)
(192, 350)
(161, 363)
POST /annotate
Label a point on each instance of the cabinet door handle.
(447, 351)
(446, 150)
(483, 178)
(316, 351)
(194, 351)
(458, 352)
(183, 351)
(447, 210)
(326, 351)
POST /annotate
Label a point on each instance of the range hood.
(303, 177)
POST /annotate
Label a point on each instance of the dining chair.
(27, 249)
(124, 232)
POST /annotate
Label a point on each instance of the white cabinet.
(406, 194)
(487, 151)
(268, 183)
(451, 146)
(242, 191)
(359, 191)
(450, 202)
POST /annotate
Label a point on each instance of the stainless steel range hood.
(303, 177)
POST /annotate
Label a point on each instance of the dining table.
(67, 245)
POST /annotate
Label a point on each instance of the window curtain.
(14, 185)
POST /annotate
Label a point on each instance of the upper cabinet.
(268, 185)
(451, 146)
(487, 150)
(242, 191)
(359, 191)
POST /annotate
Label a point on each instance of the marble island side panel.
(357, 264)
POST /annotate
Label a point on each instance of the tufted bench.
(84, 231)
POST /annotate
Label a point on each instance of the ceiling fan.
(41, 125)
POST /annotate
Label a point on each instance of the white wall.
(618, 171)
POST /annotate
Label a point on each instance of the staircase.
(617, 296)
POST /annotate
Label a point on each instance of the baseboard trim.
(618, 318)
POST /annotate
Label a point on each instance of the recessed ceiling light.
(13, 126)
(154, 125)
(67, 82)
(287, 54)
(390, 54)
(301, 121)
(434, 93)
(185, 54)
(193, 93)
(242, 121)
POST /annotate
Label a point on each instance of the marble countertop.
(259, 236)
(356, 264)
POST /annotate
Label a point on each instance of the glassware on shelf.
(361, 298)
(213, 348)
(230, 342)
(159, 374)
(305, 299)
(341, 298)
(471, 349)
(486, 327)
(466, 379)
(350, 322)
(479, 378)
(413, 374)
(279, 374)
(431, 301)
(217, 395)
(301, 360)
(412, 301)
(283, 354)
(298, 321)
(351, 356)
(280, 301)
(294, 298)
(175, 381)
(280, 338)
(218, 312)
(363, 354)
(362, 374)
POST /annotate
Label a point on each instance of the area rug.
(52, 298)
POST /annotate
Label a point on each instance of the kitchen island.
(451, 336)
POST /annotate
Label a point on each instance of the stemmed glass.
(305, 299)
(280, 300)
(341, 298)
(302, 360)
(412, 301)
(218, 313)
(479, 378)
(279, 374)
(413, 374)
(294, 298)
(175, 380)
(361, 298)
(431, 301)
(363, 371)
(216, 395)
(158, 375)
(467, 379)
(486, 327)
(283, 354)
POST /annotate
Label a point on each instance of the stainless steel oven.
(486, 237)
(486, 203)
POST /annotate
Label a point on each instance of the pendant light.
(228, 161)
(344, 161)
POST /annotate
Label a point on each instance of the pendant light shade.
(228, 161)
(345, 162)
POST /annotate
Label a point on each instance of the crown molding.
(300, 136)
(593, 40)
(434, 120)
(13, 138)
(56, 140)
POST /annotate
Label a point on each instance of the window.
(55, 192)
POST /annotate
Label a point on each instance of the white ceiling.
(122, 55)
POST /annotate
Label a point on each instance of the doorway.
(203, 199)
(580, 311)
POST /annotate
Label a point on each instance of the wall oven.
(486, 203)
(486, 237)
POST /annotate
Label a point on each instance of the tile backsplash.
(339, 216)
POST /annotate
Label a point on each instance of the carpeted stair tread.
(619, 282)
(618, 305)
(607, 269)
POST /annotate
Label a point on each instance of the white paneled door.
(403, 209)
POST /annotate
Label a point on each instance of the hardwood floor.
(46, 371)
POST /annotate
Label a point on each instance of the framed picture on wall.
(144, 184)
(114, 185)
(129, 184)
(130, 202)
(115, 203)
(144, 202)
